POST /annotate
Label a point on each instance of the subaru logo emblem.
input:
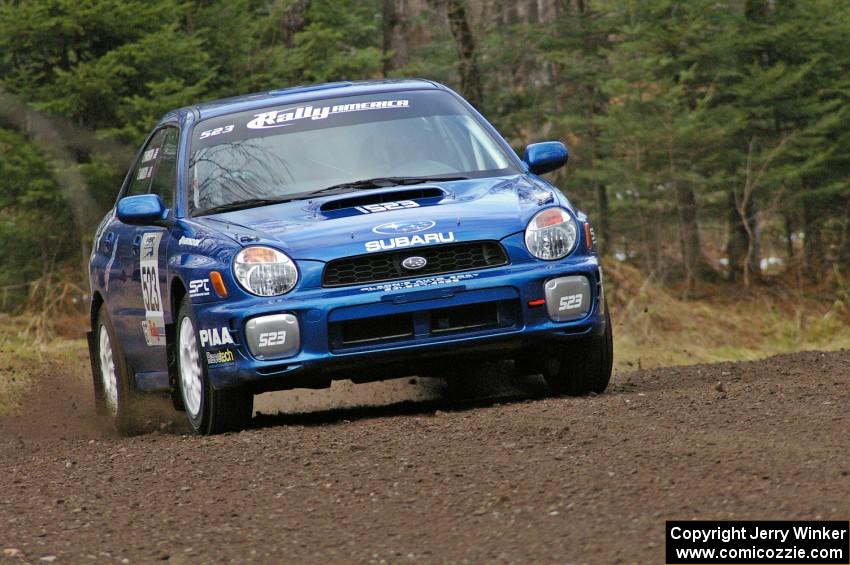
(414, 263)
(395, 228)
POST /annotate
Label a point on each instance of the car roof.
(298, 94)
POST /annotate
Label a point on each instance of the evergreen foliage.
(705, 135)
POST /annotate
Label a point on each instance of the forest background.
(709, 139)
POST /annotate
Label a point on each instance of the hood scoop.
(383, 197)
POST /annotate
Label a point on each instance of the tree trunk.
(470, 74)
(789, 236)
(582, 11)
(533, 12)
(754, 258)
(736, 247)
(293, 20)
(743, 250)
(686, 205)
(604, 225)
(390, 15)
(813, 243)
(686, 209)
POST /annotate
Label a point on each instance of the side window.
(156, 170)
(140, 182)
(164, 179)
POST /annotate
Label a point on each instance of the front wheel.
(209, 411)
(113, 393)
(585, 364)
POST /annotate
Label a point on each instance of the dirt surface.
(520, 478)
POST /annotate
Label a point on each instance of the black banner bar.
(757, 542)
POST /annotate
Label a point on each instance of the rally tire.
(209, 411)
(173, 375)
(585, 365)
(230, 410)
(115, 398)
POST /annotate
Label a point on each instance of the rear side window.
(156, 169)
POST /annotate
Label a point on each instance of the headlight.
(265, 271)
(551, 234)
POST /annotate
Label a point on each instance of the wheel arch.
(97, 303)
(177, 291)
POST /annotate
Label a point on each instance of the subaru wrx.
(357, 231)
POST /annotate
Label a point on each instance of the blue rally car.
(357, 231)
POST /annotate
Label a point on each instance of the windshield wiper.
(242, 205)
(378, 182)
(382, 182)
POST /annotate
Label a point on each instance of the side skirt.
(153, 381)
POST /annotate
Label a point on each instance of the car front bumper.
(401, 328)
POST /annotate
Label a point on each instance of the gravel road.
(510, 478)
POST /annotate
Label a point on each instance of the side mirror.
(145, 209)
(546, 156)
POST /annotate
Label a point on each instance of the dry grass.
(23, 357)
(655, 328)
(49, 335)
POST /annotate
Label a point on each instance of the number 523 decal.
(570, 302)
(386, 206)
(216, 131)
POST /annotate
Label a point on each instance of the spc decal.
(154, 324)
(220, 357)
(199, 288)
(216, 336)
(386, 206)
(280, 118)
(409, 241)
(419, 283)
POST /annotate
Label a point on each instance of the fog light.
(568, 298)
(273, 337)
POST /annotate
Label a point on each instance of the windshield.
(293, 151)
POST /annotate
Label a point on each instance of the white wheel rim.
(108, 377)
(191, 379)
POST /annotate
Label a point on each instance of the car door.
(142, 252)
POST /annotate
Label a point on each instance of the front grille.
(479, 317)
(387, 265)
(366, 331)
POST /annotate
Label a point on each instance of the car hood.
(366, 221)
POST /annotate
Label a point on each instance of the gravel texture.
(512, 478)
